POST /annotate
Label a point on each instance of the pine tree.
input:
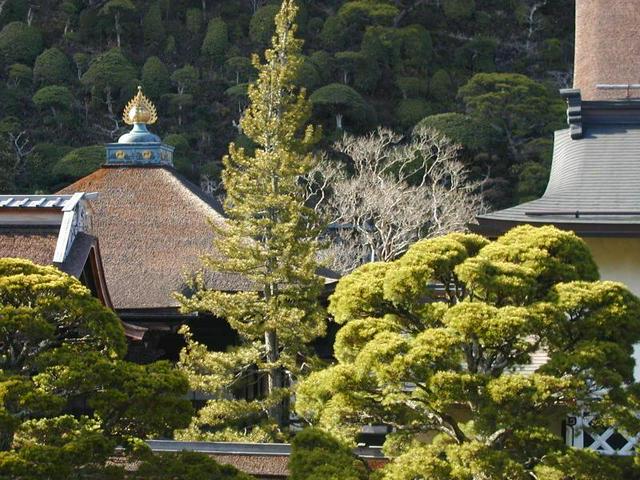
(270, 239)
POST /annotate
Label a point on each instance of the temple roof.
(153, 228)
(51, 230)
(594, 185)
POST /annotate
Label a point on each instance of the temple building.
(594, 185)
(53, 230)
(153, 226)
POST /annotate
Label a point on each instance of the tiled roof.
(263, 460)
(594, 183)
(60, 202)
(153, 228)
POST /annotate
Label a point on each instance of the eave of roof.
(594, 185)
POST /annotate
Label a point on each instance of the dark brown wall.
(607, 46)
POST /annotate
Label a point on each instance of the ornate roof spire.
(139, 146)
(140, 110)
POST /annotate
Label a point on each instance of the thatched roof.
(35, 244)
(153, 228)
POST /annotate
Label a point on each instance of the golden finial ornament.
(140, 110)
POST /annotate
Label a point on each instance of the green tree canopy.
(239, 69)
(262, 25)
(155, 78)
(20, 74)
(108, 73)
(216, 41)
(193, 20)
(53, 97)
(514, 105)
(19, 43)
(80, 162)
(61, 346)
(185, 79)
(316, 455)
(459, 9)
(52, 67)
(270, 238)
(340, 101)
(116, 9)
(153, 27)
(186, 466)
(410, 111)
(462, 129)
(434, 343)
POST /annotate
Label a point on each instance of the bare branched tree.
(394, 192)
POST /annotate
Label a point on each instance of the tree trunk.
(6, 439)
(339, 121)
(117, 20)
(275, 378)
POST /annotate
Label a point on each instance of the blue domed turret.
(139, 134)
(139, 147)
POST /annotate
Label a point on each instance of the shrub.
(316, 455)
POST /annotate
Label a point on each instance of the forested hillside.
(485, 72)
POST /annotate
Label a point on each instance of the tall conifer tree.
(270, 238)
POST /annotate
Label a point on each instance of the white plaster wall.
(619, 259)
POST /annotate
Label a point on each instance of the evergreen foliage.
(443, 365)
(19, 73)
(53, 97)
(153, 27)
(385, 51)
(410, 111)
(342, 101)
(186, 466)
(19, 43)
(459, 9)
(316, 455)
(62, 349)
(52, 67)
(155, 78)
(513, 104)
(107, 74)
(216, 41)
(262, 26)
(116, 9)
(79, 162)
(270, 238)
